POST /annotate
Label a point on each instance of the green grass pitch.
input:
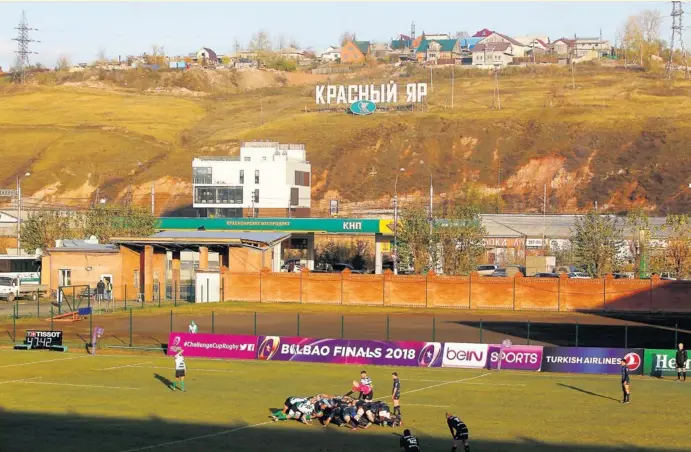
(120, 402)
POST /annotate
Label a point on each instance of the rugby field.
(120, 402)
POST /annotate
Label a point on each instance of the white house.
(268, 179)
(206, 56)
(330, 54)
(536, 42)
(291, 52)
(517, 49)
(492, 54)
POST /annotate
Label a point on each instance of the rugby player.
(365, 391)
(681, 358)
(625, 381)
(396, 397)
(409, 443)
(366, 381)
(459, 431)
(179, 371)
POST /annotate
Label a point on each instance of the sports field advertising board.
(43, 339)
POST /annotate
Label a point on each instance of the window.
(242, 176)
(256, 176)
(256, 195)
(204, 195)
(247, 159)
(302, 178)
(201, 175)
(294, 196)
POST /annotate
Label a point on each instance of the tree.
(158, 55)
(346, 36)
(415, 240)
(460, 241)
(102, 57)
(650, 22)
(63, 63)
(638, 224)
(294, 43)
(260, 42)
(42, 229)
(596, 242)
(678, 249)
(110, 220)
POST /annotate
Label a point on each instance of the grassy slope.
(633, 128)
(127, 407)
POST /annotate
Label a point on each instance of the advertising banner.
(338, 351)
(213, 345)
(469, 356)
(518, 357)
(661, 363)
(591, 360)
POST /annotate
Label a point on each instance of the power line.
(23, 51)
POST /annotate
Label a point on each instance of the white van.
(486, 270)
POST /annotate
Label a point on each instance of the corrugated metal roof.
(447, 45)
(82, 245)
(363, 46)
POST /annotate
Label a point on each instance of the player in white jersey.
(179, 371)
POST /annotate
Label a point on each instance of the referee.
(681, 358)
(625, 381)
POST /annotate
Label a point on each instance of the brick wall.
(460, 292)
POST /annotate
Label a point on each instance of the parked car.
(545, 275)
(485, 270)
(498, 273)
(578, 275)
(338, 268)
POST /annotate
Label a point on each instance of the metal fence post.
(481, 332)
(342, 327)
(51, 317)
(434, 329)
(171, 320)
(255, 323)
(91, 326)
(341, 287)
(298, 325)
(213, 322)
(16, 303)
(14, 325)
(676, 334)
(626, 336)
(130, 327)
(207, 291)
(175, 293)
(38, 304)
(300, 287)
(387, 327)
(514, 293)
(159, 295)
(576, 334)
(125, 297)
(528, 332)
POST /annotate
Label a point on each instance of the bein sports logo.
(632, 360)
(268, 348)
(429, 354)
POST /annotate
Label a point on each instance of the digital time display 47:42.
(43, 339)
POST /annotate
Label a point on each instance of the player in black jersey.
(396, 397)
(625, 381)
(459, 431)
(409, 443)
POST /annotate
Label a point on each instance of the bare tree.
(281, 42)
(102, 56)
(64, 62)
(294, 43)
(260, 42)
(650, 22)
(346, 36)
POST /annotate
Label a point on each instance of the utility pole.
(395, 223)
(153, 197)
(431, 78)
(544, 213)
(431, 196)
(453, 72)
(677, 37)
(19, 211)
(496, 102)
(23, 51)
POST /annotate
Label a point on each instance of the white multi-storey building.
(268, 179)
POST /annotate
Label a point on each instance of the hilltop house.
(355, 52)
(483, 33)
(438, 51)
(492, 54)
(563, 46)
(330, 54)
(207, 57)
(517, 49)
(380, 50)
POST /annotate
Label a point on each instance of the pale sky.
(81, 29)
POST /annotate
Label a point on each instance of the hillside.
(619, 138)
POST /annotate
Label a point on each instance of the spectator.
(193, 329)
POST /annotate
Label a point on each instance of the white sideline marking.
(496, 384)
(448, 383)
(44, 361)
(130, 365)
(20, 380)
(75, 385)
(421, 404)
(194, 369)
(225, 432)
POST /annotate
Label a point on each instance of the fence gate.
(73, 297)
